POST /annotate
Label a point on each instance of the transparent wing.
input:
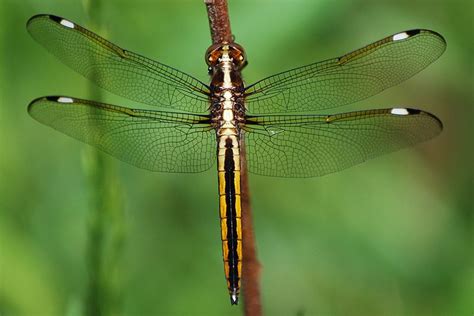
(117, 70)
(157, 141)
(315, 145)
(347, 79)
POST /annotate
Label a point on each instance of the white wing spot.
(272, 131)
(400, 36)
(65, 100)
(67, 23)
(399, 111)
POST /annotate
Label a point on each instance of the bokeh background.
(85, 234)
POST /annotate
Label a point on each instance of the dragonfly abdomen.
(230, 211)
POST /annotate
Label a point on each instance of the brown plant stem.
(221, 32)
(219, 21)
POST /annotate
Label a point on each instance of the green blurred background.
(84, 234)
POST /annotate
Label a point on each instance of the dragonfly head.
(218, 53)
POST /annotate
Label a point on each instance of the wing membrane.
(347, 79)
(315, 145)
(157, 141)
(117, 70)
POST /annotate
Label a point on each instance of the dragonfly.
(275, 119)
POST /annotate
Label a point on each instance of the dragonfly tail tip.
(234, 297)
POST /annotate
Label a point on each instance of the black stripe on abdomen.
(230, 197)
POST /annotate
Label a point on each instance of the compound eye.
(213, 57)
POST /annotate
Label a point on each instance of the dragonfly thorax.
(227, 107)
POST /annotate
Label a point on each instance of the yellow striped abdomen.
(228, 154)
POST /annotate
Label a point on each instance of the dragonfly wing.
(152, 140)
(117, 70)
(315, 145)
(349, 78)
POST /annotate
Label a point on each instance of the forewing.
(152, 140)
(117, 70)
(349, 78)
(315, 145)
